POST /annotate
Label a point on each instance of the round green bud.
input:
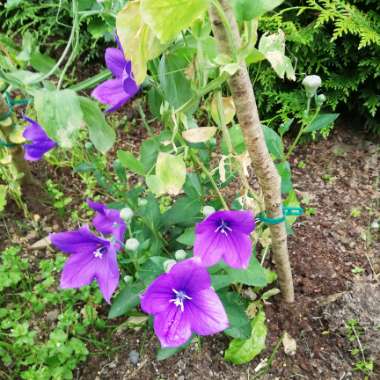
(208, 210)
(126, 213)
(180, 254)
(132, 244)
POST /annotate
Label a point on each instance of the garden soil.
(335, 256)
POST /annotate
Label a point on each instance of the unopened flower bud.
(311, 84)
(126, 213)
(208, 210)
(88, 145)
(168, 264)
(320, 99)
(132, 244)
(127, 279)
(180, 254)
(142, 202)
(375, 225)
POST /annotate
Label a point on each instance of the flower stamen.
(179, 299)
(223, 228)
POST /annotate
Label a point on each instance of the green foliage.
(43, 331)
(337, 39)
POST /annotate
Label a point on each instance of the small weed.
(60, 201)
(357, 270)
(355, 212)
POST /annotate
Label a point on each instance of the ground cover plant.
(173, 233)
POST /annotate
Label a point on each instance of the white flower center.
(179, 299)
(99, 252)
(223, 228)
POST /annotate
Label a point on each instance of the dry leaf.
(290, 344)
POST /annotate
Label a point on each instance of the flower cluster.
(182, 300)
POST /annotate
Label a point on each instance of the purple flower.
(40, 143)
(183, 302)
(225, 235)
(91, 258)
(116, 92)
(108, 221)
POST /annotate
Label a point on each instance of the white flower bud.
(208, 210)
(126, 213)
(375, 225)
(168, 264)
(132, 244)
(311, 84)
(127, 279)
(142, 201)
(180, 254)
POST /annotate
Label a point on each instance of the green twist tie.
(4, 144)
(286, 211)
(15, 102)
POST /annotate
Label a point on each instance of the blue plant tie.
(286, 211)
(4, 144)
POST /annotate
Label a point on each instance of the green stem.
(195, 158)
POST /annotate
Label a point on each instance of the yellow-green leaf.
(198, 135)
(16, 136)
(168, 18)
(137, 39)
(229, 109)
(242, 351)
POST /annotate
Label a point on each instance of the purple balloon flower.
(116, 92)
(40, 143)
(108, 221)
(92, 257)
(225, 235)
(183, 302)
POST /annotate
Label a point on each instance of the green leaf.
(322, 121)
(151, 269)
(242, 351)
(284, 170)
(149, 152)
(3, 197)
(274, 143)
(246, 10)
(129, 161)
(273, 47)
(291, 201)
(137, 39)
(192, 186)
(184, 211)
(151, 212)
(126, 300)
(237, 139)
(237, 318)
(188, 237)
(170, 175)
(101, 134)
(173, 82)
(254, 275)
(168, 18)
(60, 114)
(166, 353)
(42, 62)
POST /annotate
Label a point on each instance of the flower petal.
(242, 221)
(107, 273)
(35, 151)
(79, 270)
(157, 296)
(80, 241)
(206, 313)
(190, 277)
(111, 92)
(129, 83)
(107, 220)
(172, 327)
(209, 247)
(34, 131)
(115, 61)
(238, 250)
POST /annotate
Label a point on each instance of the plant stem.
(247, 113)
